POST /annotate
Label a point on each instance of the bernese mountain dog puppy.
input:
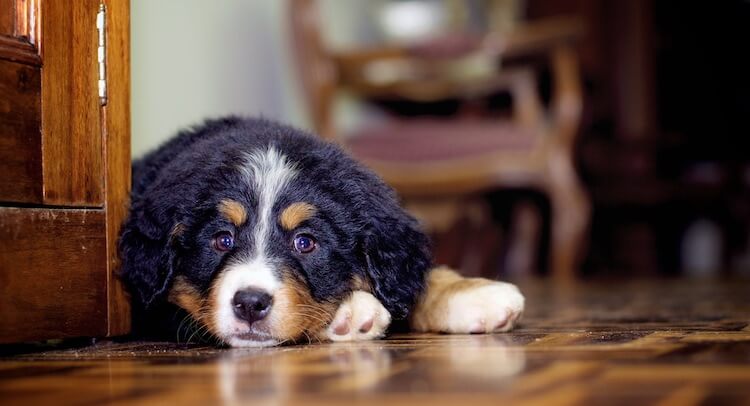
(264, 234)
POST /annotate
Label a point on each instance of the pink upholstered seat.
(429, 140)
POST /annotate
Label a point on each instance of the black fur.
(365, 231)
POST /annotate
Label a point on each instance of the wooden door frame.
(117, 167)
(63, 247)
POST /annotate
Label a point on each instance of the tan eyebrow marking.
(295, 214)
(233, 211)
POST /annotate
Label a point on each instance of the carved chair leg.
(570, 217)
(463, 232)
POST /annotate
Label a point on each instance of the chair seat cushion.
(423, 141)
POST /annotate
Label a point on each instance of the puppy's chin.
(251, 340)
(239, 334)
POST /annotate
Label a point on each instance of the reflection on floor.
(673, 342)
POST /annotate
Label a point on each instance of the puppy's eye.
(223, 241)
(304, 243)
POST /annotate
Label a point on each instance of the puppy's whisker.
(307, 315)
(316, 324)
(191, 336)
(186, 319)
(197, 327)
(316, 310)
(201, 332)
(306, 335)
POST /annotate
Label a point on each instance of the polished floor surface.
(670, 343)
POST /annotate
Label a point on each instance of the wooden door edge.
(116, 141)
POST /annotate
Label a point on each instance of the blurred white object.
(701, 249)
(412, 20)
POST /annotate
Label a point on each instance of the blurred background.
(571, 138)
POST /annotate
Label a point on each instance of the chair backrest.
(314, 65)
(318, 68)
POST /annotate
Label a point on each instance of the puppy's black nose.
(251, 305)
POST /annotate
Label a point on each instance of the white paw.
(361, 317)
(494, 307)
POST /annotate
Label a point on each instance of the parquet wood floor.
(667, 343)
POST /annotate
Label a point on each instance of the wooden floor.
(666, 343)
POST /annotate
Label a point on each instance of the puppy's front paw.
(487, 308)
(361, 317)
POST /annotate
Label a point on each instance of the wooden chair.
(434, 160)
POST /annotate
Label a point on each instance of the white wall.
(193, 59)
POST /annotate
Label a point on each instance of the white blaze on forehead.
(267, 172)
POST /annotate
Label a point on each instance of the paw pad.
(361, 317)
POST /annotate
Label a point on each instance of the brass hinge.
(101, 27)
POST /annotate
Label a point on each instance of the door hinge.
(101, 27)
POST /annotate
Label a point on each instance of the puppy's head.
(259, 232)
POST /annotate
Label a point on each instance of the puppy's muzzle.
(251, 305)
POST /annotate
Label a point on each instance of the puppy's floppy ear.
(397, 258)
(147, 257)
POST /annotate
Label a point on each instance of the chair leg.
(521, 258)
(570, 217)
(463, 233)
(480, 256)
